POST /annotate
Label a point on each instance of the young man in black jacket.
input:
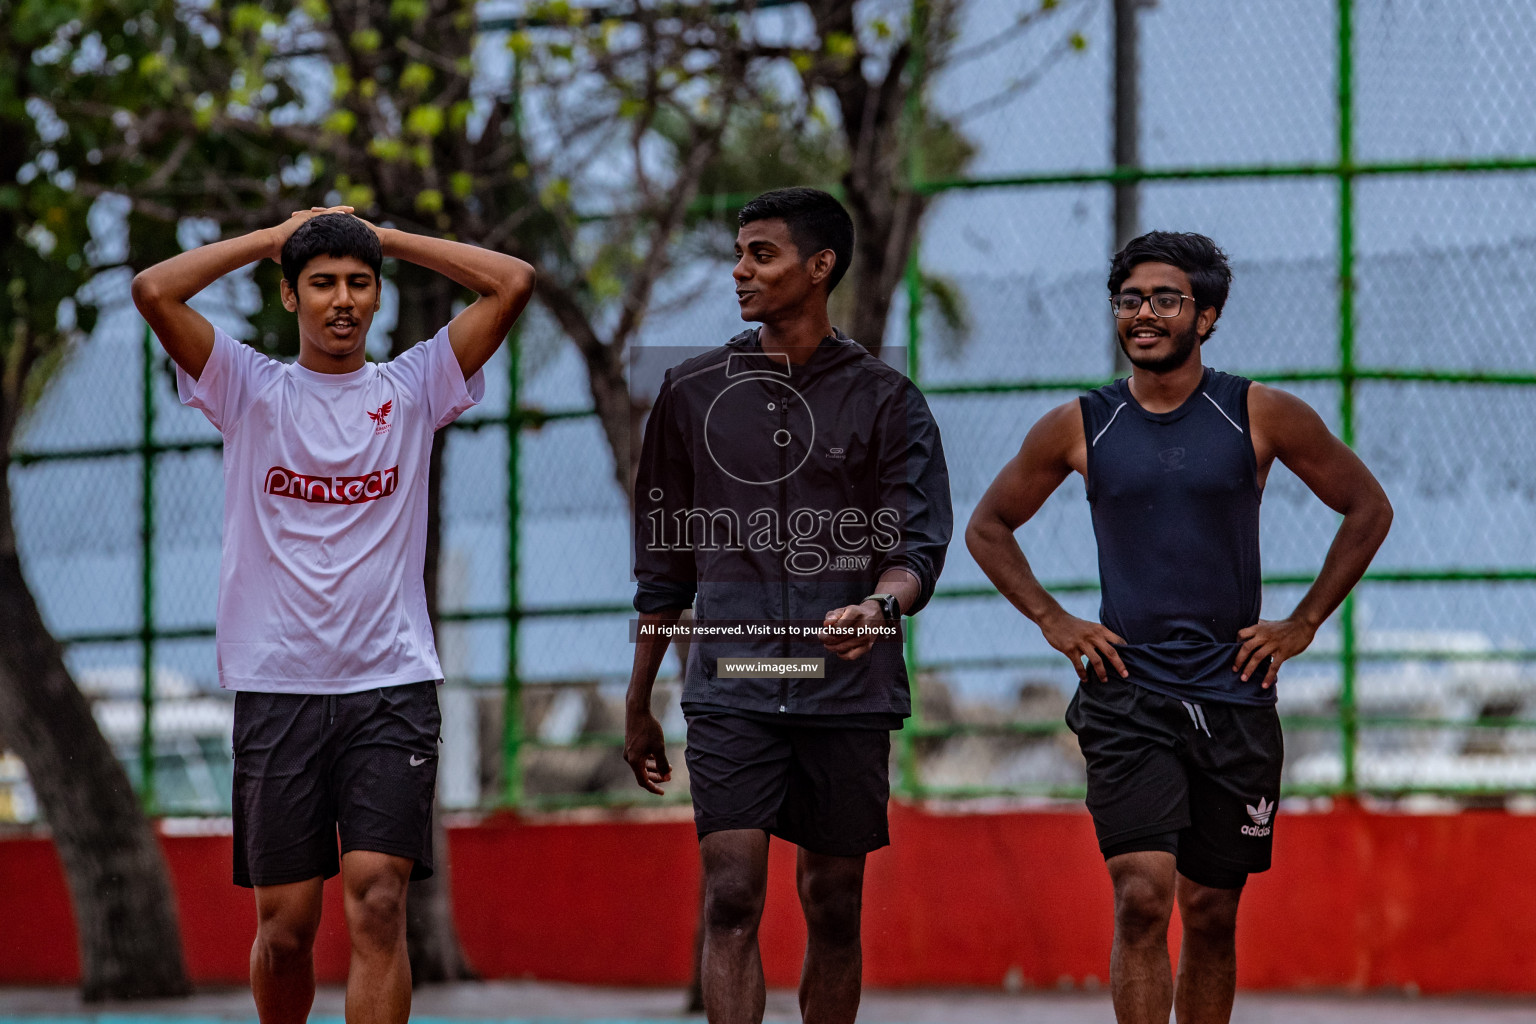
(791, 488)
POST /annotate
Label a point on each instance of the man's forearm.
(1350, 554)
(185, 274)
(902, 584)
(650, 651)
(997, 552)
(483, 271)
(162, 292)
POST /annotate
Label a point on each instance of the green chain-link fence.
(1369, 167)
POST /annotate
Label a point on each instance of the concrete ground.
(545, 1003)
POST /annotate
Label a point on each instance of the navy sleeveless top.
(1175, 499)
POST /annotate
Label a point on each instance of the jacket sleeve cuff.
(922, 573)
(659, 597)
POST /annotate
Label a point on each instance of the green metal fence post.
(147, 577)
(512, 691)
(1348, 722)
(512, 707)
(906, 753)
(906, 750)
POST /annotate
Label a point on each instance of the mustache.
(1184, 343)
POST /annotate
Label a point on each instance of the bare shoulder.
(1281, 422)
(1063, 424)
(1058, 438)
(1264, 400)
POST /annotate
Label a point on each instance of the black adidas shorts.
(310, 766)
(1200, 781)
(823, 788)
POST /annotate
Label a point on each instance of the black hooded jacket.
(774, 492)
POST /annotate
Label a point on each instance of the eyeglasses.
(1164, 304)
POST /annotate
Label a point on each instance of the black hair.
(330, 234)
(1210, 277)
(815, 219)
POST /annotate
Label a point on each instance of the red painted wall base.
(1356, 900)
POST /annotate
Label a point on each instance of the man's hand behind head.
(280, 233)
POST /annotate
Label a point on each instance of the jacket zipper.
(784, 525)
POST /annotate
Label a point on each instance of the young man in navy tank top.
(1175, 708)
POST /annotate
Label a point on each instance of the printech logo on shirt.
(332, 490)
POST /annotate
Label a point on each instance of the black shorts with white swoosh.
(312, 767)
(1198, 780)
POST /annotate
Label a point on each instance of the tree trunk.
(622, 419)
(125, 909)
(431, 936)
(885, 221)
(617, 412)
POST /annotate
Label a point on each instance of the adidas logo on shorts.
(1260, 815)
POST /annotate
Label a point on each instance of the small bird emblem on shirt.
(379, 418)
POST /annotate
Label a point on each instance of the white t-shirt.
(325, 514)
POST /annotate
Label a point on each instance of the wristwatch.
(888, 606)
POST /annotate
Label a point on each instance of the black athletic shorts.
(310, 766)
(1199, 780)
(819, 786)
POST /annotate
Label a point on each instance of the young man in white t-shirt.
(322, 618)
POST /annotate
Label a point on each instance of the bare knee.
(733, 900)
(282, 947)
(1210, 913)
(1143, 904)
(376, 910)
(832, 900)
(285, 934)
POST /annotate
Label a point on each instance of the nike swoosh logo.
(417, 760)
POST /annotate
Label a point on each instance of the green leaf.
(426, 121)
(359, 197)
(250, 18)
(429, 200)
(340, 122)
(840, 44)
(416, 77)
(367, 40)
(385, 148)
(555, 193)
(407, 10)
(462, 184)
